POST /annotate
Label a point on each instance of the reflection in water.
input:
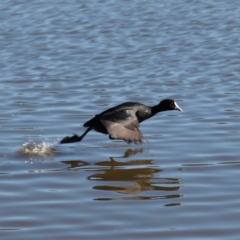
(134, 177)
(131, 178)
(74, 164)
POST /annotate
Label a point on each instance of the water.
(65, 61)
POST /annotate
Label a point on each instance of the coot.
(122, 121)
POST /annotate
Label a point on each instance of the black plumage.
(122, 121)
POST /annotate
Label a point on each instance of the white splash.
(43, 152)
(38, 148)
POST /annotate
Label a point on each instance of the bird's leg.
(75, 137)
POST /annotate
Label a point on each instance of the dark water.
(64, 61)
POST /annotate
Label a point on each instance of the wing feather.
(122, 124)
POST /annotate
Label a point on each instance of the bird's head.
(169, 104)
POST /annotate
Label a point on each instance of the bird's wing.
(122, 124)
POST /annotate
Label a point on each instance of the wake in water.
(38, 151)
(37, 148)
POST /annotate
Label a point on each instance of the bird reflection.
(136, 179)
(133, 177)
(75, 163)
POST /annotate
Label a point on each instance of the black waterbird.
(122, 121)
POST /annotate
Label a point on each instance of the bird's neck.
(156, 109)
